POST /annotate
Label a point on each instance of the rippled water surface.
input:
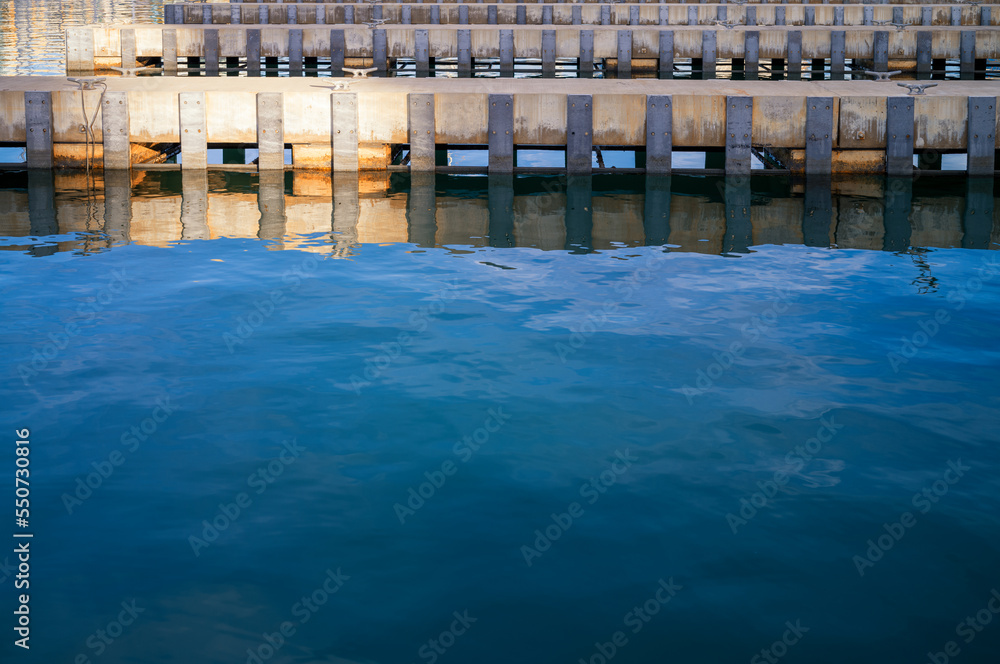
(33, 32)
(459, 421)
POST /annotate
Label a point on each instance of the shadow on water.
(45, 212)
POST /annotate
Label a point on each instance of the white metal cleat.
(136, 71)
(360, 73)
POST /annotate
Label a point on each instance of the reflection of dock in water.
(314, 212)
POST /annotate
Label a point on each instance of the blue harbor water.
(412, 437)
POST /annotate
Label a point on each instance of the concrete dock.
(619, 86)
(820, 127)
(90, 48)
(630, 13)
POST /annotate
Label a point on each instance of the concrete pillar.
(739, 121)
(193, 131)
(169, 48)
(624, 53)
(253, 52)
(579, 134)
(38, 129)
(344, 130)
(500, 127)
(211, 52)
(819, 135)
(295, 52)
(981, 135)
(586, 53)
(659, 134)
(127, 37)
(270, 131)
(421, 131)
(115, 131)
(666, 63)
(899, 136)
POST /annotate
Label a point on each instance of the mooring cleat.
(728, 25)
(881, 75)
(136, 71)
(900, 26)
(360, 73)
(86, 83)
(916, 88)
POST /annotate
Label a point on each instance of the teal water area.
(467, 420)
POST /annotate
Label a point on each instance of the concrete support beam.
(507, 53)
(420, 122)
(708, 54)
(751, 54)
(579, 134)
(924, 44)
(128, 48)
(666, 63)
(659, 134)
(794, 55)
(465, 52)
(586, 52)
(193, 130)
(880, 54)
(38, 129)
(819, 135)
(169, 46)
(981, 135)
(548, 52)
(344, 130)
(899, 136)
(624, 53)
(338, 50)
(253, 52)
(211, 52)
(295, 52)
(500, 128)
(739, 123)
(422, 47)
(115, 131)
(967, 54)
(270, 131)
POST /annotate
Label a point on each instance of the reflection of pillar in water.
(345, 213)
(739, 228)
(977, 222)
(41, 202)
(817, 212)
(421, 208)
(501, 207)
(579, 213)
(656, 216)
(898, 204)
(117, 205)
(194, 205)
(271, 203)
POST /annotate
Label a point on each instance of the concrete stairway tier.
(577, 14)
(817, 127)
(91, 48)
